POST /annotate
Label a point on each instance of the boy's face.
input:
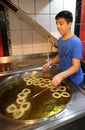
(62, 26)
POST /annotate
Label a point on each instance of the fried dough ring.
(26, 78)
(36, 82)
(42, 85)
(49, 85)
(54, 89)
(20, 100)
(20, 95)
(28, 82)
(26, 91)
(65, 94)
(40, 79)
(56, 95)
(47, 80)
(62, 88)
(11, 108)
(18, 113)
(25, 106)
(33, 79)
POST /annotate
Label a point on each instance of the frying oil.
(43, 105)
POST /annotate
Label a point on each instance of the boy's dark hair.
(67, 15)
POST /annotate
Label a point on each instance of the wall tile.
(27, 51)
(56, 6)
(16, 39)
(15, 22)
(70, 5)
(53, 28)
(37, 50)
(25, 26)
(17, 51)
(42, 6)
(43, 20)
(27, 5)
(27, 38)
(37, 39)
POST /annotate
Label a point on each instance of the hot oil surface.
(43, 105)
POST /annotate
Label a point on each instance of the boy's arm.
(51, 62)
(55, 60)
(63, 75)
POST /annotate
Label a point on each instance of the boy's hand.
(46, 66)
(57, 80)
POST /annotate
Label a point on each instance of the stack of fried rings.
(58, 92)
(18, 109)
(41, 82)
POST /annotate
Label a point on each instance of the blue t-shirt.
(68, 49)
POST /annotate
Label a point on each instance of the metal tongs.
(39, 93)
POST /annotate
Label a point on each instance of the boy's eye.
(61, 23)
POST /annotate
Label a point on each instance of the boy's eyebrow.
(59, 21)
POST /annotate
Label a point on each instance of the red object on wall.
(1, 52)
(1, 46)
(82, 27)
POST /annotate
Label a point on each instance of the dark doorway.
(78, 17)
(3, 31)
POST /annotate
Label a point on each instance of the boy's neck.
(67, 36)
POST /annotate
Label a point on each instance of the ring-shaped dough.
(26, 91)
(20, 100)
(56, 95)
(33, 79)
(40, 79)
(54, 89)
(25, 106)
(21, 95)
(49, 85)
(35, 83)
(28, 82)
(11, 108)
(47, 80)
(18, 113)
(65, 94)
(62, 88)
(26, 79)
(42, 85)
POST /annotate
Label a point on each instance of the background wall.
(25, 40)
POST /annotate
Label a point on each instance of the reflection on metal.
(27, 19)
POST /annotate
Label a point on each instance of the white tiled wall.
(24, 39)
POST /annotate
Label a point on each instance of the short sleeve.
(77, 50)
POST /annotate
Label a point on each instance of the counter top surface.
(14, 64)
(75, 109)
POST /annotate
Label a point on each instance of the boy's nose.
(57, 25)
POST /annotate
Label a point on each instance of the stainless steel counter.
(74, 110)
(14, 64)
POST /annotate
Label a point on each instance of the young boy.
(69, 52)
